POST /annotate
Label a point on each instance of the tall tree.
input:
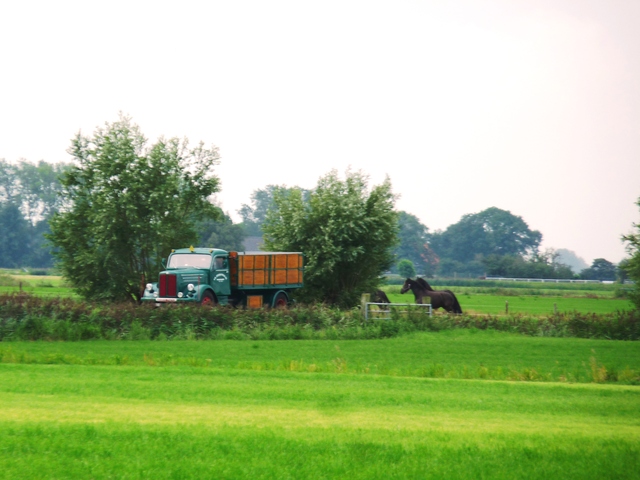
(128, 204)
(345, 230)
(262, 200)
(413, 244)
(14, 246)
(632, 264)
(571, 259)
(600, 269)
(490, 232)
(31, 191)
(539, 265)
(34, 187)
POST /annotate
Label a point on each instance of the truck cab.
(192, 275)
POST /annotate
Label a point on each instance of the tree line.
(493, 242)
(109, 218)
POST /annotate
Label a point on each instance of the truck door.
(220, 275)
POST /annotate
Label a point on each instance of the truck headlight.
(180, 294)
(149, 287)
(190, 287)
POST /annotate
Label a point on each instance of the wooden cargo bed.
(266, 269)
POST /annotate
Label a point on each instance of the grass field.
(230, 409)
(529, 304)
(446, 354)
(533, 299)
(41, 285)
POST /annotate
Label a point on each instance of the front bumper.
(170, 300)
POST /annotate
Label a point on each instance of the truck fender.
(202, 289)
(280, 299)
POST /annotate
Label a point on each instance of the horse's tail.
(456, 305)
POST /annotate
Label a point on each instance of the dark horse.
(380, 297)
(438, 298)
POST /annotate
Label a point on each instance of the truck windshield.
(184, 260)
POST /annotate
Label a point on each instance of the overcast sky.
(528, 106)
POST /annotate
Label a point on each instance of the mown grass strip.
(473, 354)
(62, 421)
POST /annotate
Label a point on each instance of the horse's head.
(407, 286)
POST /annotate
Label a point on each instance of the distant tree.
(490, 232)
(127, 205)
(255, 214)
(414, 244)
(571, 259)
(600, 269)
(539, 265)
(32, 189)
(632, 264)
(406, 268)
(621, 274)
(345, 230)
(221, 233)
(9, 183)
(35, 188)
(16, 233)
(455, 269)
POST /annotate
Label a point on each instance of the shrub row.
(27, 317)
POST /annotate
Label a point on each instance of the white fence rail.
(546, 280)
(383, 310)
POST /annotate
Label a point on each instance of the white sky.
(528, 106)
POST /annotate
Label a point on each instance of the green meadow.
(41, 285)
(476, 297)
(458, 353)
(418, 406)
(528, 304)
(456, 403)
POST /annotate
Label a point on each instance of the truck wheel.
(208, 299)
(281, 301)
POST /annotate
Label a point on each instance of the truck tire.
(208, 299)
(280, 300)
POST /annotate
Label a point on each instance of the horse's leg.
(455, 304)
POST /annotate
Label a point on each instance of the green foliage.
(632, 265)
(448, 267)
(15, 236)
(221, 233)
(33, 187)
(490, 232)
(28, 197)
(406, 268)
(600, 269)
(127, 205)
(23, 317)
(413, 244)
(345, 231)
(540, 265)
(262, 200)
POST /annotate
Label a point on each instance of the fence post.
(555, 308)
(506, 307)
(366, 297)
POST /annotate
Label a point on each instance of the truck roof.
(200, 250)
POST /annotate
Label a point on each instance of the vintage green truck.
(212, 276)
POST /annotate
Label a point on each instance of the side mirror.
(164, 263)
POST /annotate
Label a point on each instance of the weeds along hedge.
(27, 317)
